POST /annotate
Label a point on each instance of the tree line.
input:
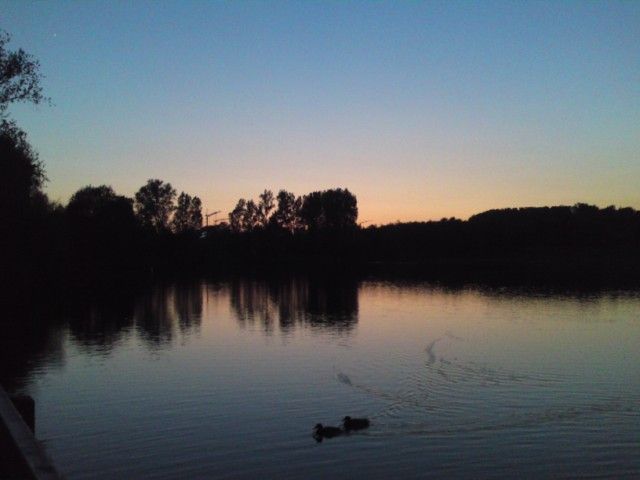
(155, 207)
(330, 210)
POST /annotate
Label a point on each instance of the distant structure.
(213, 214)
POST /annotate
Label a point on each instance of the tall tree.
(154, 204)
(335, 209)
(188, 214)
(88, 201)
(287, 215)
(340, 209)
(22, 173)
(311, 212)
(236, 216)
(251, 217)
(265, 206)
(25, 210)
(19, 76)
(195, 213)
(102, 229)
(101, 207)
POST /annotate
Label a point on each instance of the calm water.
(227, 379)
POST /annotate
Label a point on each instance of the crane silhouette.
(207, 215)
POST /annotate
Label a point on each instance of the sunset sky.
(422, 109)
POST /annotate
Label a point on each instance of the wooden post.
(25, 457)
(27, 409)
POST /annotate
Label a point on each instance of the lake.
(226, 379)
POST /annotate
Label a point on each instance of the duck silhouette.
(355, 423)
(320, 432)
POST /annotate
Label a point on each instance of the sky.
(422, 109)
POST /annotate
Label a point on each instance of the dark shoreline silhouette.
(582, 244)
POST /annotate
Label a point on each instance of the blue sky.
(422, 109)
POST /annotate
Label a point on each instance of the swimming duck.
(320, 432)
(355, 423)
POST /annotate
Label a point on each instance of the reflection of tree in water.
(154, 315)
(31, 340)
(333, 303)
(251, 301)
(98, 327)
(323, 303)
(188, 305)
(28, 341)
(158, 313)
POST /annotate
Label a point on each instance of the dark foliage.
(546, 244)
(103, 233)
(329, 210)
(19, 76)
(28, 221)
(287, 215)
(22, 172)
(101, 207)
(188, 214)
(154, 205)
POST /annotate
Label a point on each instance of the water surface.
(226, 380)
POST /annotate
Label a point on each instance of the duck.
(320, 432)
(355, 423)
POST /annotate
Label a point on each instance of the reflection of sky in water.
(228, 378)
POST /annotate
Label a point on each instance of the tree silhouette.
(236, 216)
(22, 172)
(248, 216)
(154, 204)
(265, 206)
(287, 215)
(340, 209)
(101, 230)
(251, 217)
(188, 214)
(100, 206)
(28, 221)
(88, 201)
(335, 209)
(323, 210)
(19, 76)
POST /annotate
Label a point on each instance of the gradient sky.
(422, 109)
